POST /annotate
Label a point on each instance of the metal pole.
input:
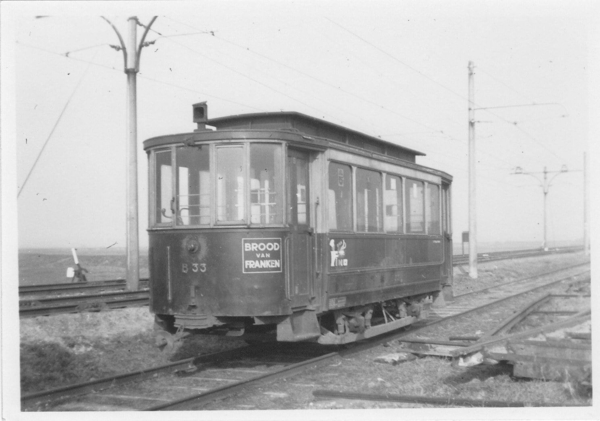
(545, 188)
(133, 277)
(472, 184)
(131, 57)
(586, 207)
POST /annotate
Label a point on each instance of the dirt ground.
(67, 349)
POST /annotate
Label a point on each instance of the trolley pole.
(131, 56)
(472, 180)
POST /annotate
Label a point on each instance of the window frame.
(423, 207)
(403, 180)
(246, 196)
(153, 198)
(178, 184)
(279, 181)
(352, 200)
(380, 204)
(213, 146)
(403, 204)
(428, 219)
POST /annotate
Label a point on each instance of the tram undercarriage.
(335, 327)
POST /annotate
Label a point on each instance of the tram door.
(447, 233)
(300, 243)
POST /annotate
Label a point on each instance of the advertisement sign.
(262, 255)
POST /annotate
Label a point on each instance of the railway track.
(81, 287)
(45, 300)
(500, 292)
(462, 259)
(216, 376)
(79, 303)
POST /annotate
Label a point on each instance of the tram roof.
(311, 126)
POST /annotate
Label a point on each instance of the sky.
(397, 70)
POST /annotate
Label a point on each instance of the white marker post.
(74, 251)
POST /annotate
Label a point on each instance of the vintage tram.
(286, 227)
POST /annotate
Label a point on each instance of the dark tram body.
(292, 228)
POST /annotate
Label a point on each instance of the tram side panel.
(362, 270)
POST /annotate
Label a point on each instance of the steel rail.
(359, 347)
(516, 318)
(522, 279)
(221, 392)
(332, 394)
(35, 311)
(462, 259)
(41, 289)
(71, 299)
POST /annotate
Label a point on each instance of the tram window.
(193, 185)
(415, 206)
(368, 201)
(298, 189)
(266, 184)
(393, 204)
(164, 187)
(230, 184)
(433, 218)
(340, 197)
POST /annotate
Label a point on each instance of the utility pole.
(131, 57)
(586, 207)
(546, 187)
(545, 184)
(472, 180)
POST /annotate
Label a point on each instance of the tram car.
(286, 227)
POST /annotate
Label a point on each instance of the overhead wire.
(438, 83)
(245, 48)
(54, 127)
(246, 76)
(85, 48)
(139, 75)
(282, 64)
(379, 106)
(502, 83)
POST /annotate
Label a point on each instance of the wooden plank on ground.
(572, 321)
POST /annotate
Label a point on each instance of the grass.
(46, 364)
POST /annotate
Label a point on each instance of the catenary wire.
(139, 74)
(55, 125)
(441, 85)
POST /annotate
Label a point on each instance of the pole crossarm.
(517, 105)
(545, 184)
(531, 174)
(123, 48)
(138, 51)
(143, 44)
